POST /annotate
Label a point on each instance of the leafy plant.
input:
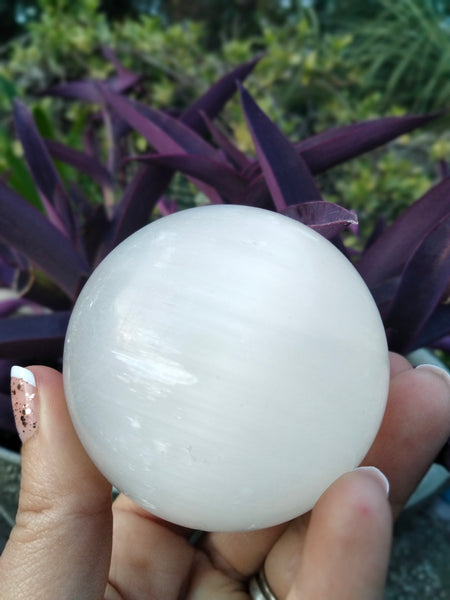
(46, 258)
(404, 47)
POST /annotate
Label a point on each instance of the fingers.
(148, 557)
(60, 545)
(151, 558)
(241, 554)
(347, 545)
(415, 427)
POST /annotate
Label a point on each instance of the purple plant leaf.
(378, 229)
(95, 229)
(51, 190)
(234, 156)
(288, 178)
(436, 331)
(110, 55)
(151, 182)
(30, 233)
(87, 91)
(167, 206)
(390, 252)
(326, 218)
(423, 284)
(337, 145)
(125, 79)
(38, 336)
(14, 270)
(163, 132)
(384, 294)
(84, 163)
(256, 194)
(212, 102)
(136, 206)
(226, 180)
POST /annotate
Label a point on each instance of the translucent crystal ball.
(224, 365)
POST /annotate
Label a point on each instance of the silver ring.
(259, 588)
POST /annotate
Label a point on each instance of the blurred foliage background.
(327, 63)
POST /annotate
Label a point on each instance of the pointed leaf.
(95, 228)
(212, 102)
(137, 204)
(151, 182)
(378, 229)
(232, 153)
(436, 331)
(256, 194)
(28, 231)
(335, 146)
(48, 182)
(165, 133)
(288, 178)
(167, 206)
(326, 218)
(85, 163)
(384, 294)
(387, 256)
(125, 79)
(39, 336)
(87, 90)
(227, 181)
(424, 281)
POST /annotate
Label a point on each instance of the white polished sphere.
(224, 365)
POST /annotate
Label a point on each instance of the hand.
(69, 544)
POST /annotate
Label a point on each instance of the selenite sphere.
(224, 365)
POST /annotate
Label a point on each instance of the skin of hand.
(69, 542)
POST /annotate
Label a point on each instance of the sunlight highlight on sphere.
(224, 365)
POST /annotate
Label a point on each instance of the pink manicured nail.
(24, 402)
(378, 474)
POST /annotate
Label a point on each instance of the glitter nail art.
(24, 402)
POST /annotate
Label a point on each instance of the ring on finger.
(259, 588)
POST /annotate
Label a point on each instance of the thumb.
(61, 544)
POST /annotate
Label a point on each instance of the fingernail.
(24, 402)
(379, 474)
(443, 373)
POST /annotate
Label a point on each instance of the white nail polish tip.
(381, 476)
(24, 374)
(438, 370)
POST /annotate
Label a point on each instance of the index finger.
(415, 427)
